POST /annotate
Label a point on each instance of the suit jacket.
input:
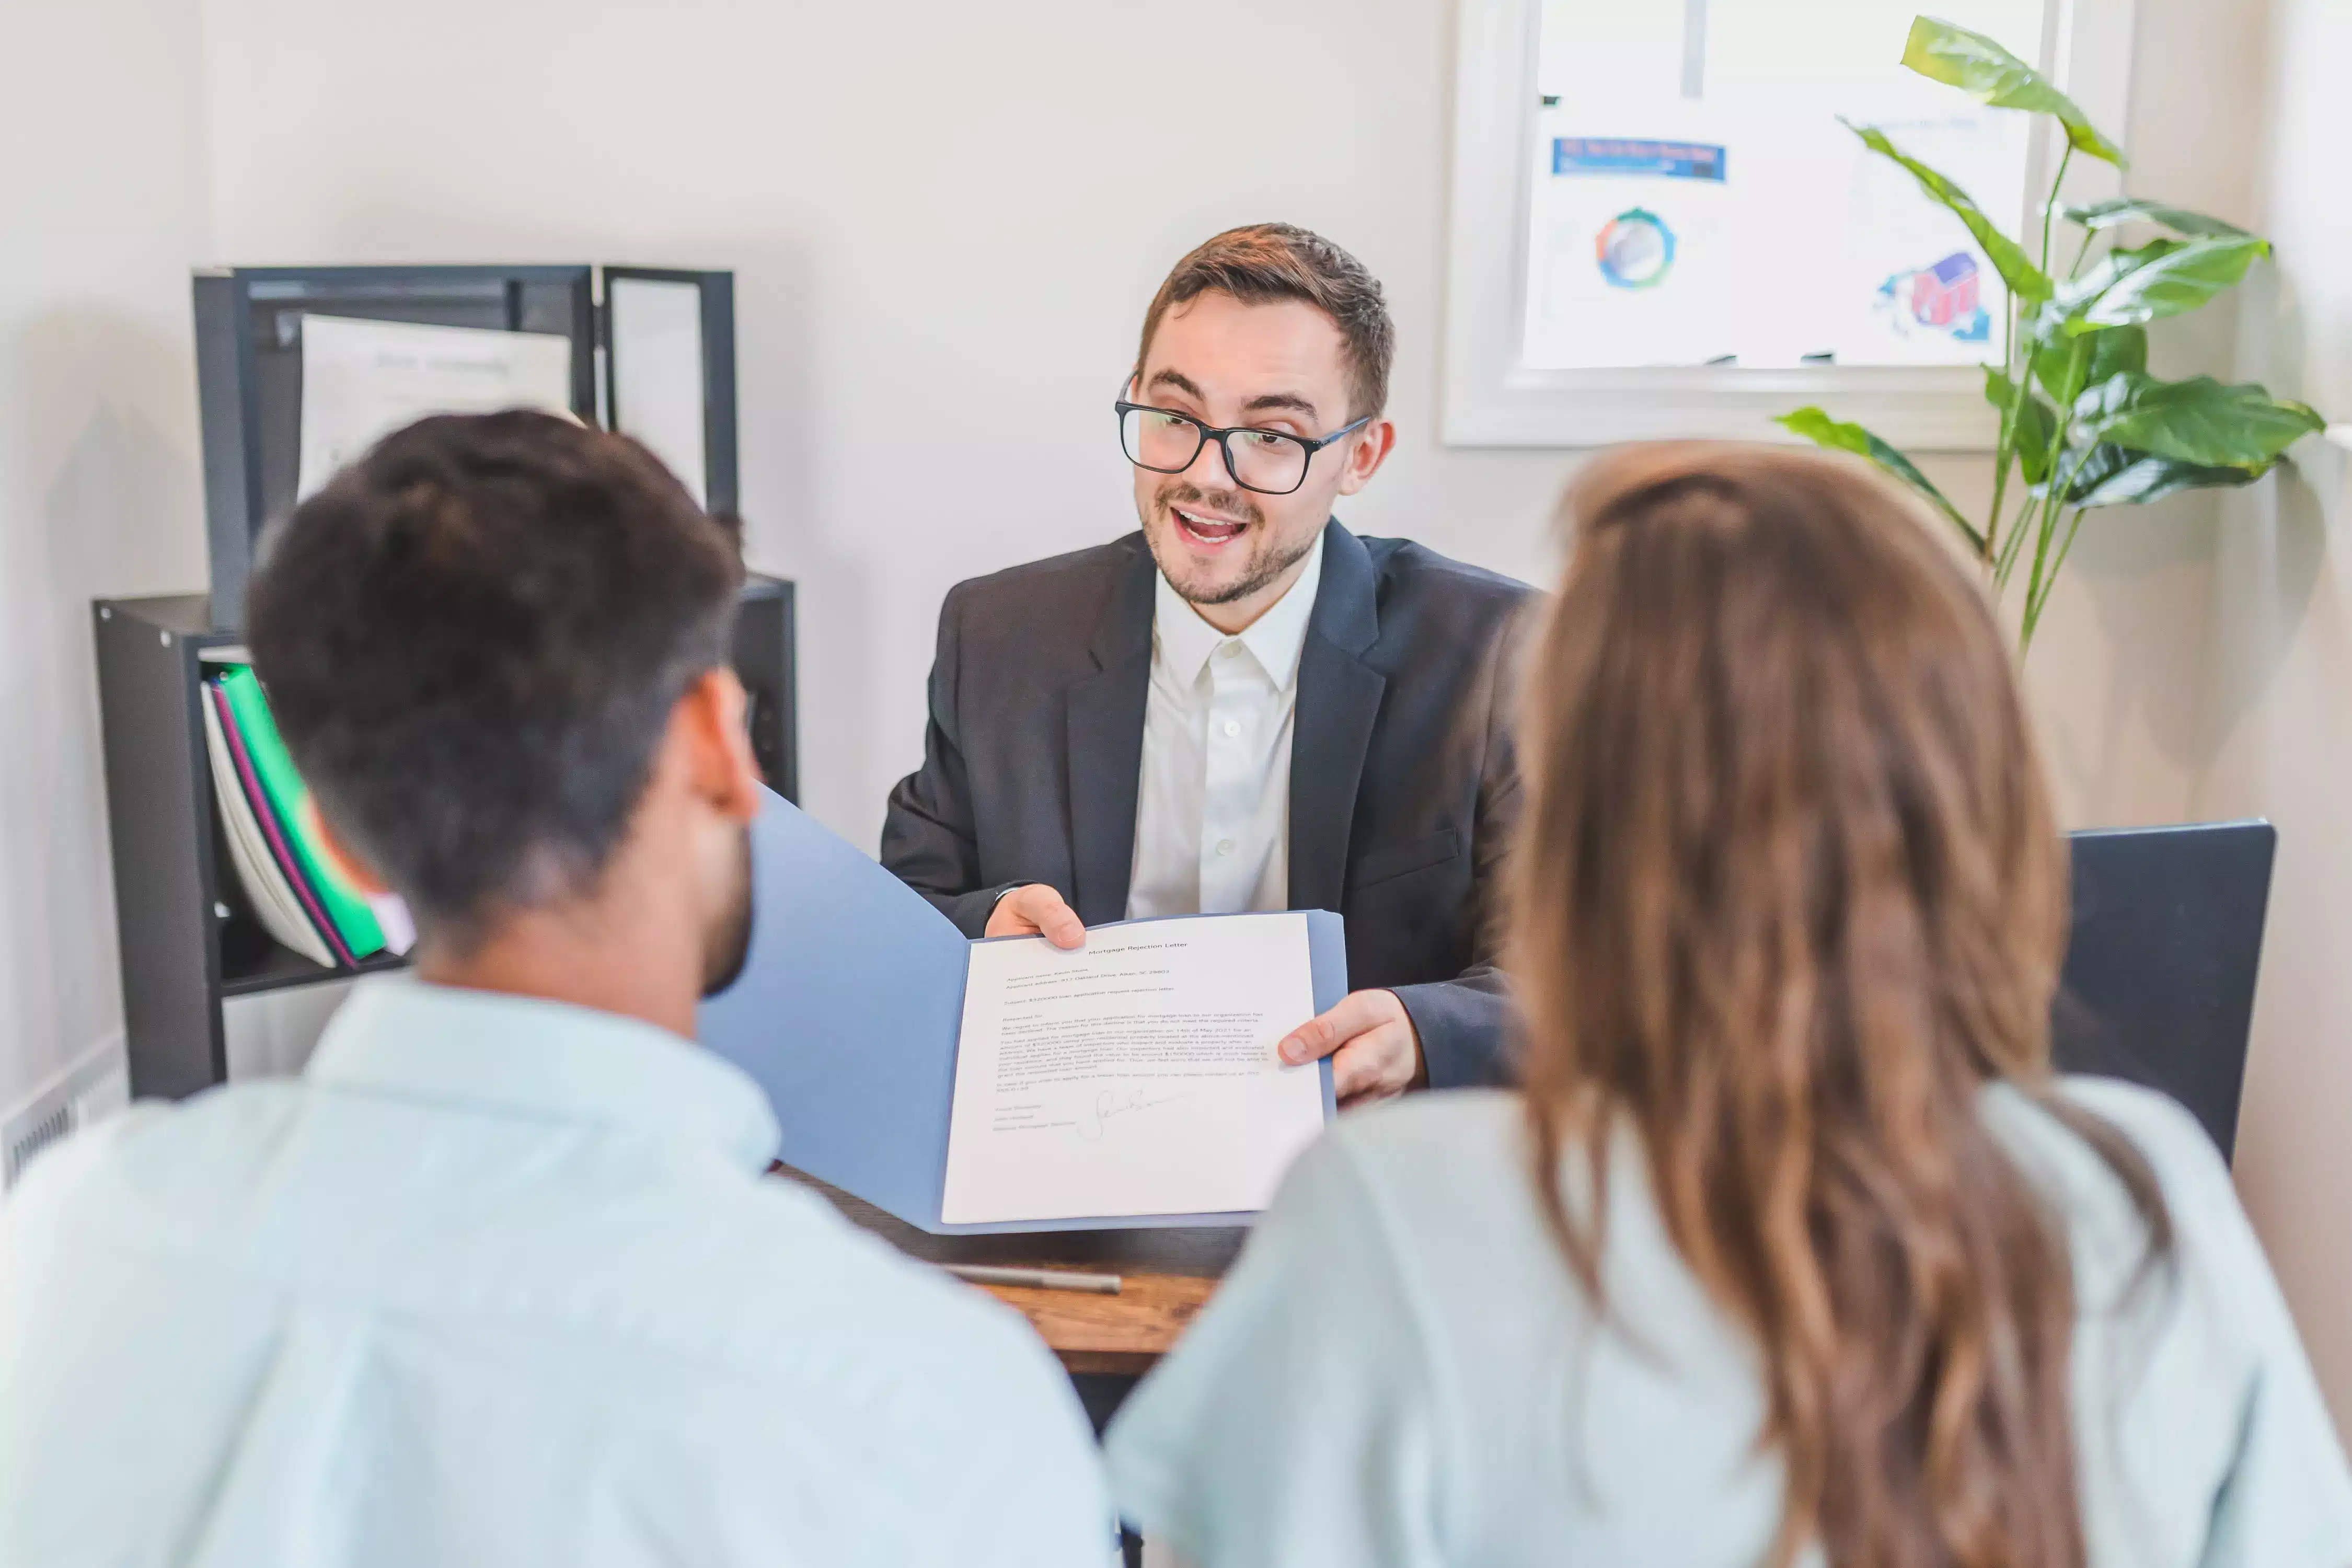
(1402, 782)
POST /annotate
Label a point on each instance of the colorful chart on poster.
(1636, 249)
(1695, 201)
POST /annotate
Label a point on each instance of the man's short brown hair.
(473, 639)
(1265, 262)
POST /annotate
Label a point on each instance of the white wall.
(2278, 714)
(102, 210)
(945, 221)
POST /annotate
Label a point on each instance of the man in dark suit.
(1244, 706)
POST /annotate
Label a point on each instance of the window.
(1661, 228)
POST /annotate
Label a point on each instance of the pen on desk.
(1036, 1278)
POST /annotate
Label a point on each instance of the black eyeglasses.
(1267, 461)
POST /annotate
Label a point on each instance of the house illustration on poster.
(1947, 298)
(1945, 292)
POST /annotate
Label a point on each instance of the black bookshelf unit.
(189, 938)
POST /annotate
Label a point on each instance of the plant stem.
(2044, 574)
(2061, 483)
(2034, 585)
(2050, 207)
(2003, 458)
(1997, 559)
(2008, 551)
(2034, 609)
(2045, 528)
(2005, 448)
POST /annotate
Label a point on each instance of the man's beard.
(1270, 562)
(730, 942)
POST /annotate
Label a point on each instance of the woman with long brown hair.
(1792, 1250)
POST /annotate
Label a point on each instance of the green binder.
(354, 919)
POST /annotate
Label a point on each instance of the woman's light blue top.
(1402, 1372)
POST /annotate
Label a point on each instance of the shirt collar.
(1183, 643)
(540, 1060)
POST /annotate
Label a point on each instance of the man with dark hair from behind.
(498, 1279)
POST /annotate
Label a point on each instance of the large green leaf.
(1817, 427)
(1991, 75)
(2051, 352)
(2164, 279)
(2117, 476)
(2117, 351)
(2035, 433)
(2025, 280)
(2076, 293)
(2200, 421)
(2111, 352)
(2130, 210)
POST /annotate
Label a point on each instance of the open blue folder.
(847, 1013)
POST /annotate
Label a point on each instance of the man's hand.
(1036, 909)
(1378, 1049)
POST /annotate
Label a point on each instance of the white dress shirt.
(499, 1281)
(1213, 803)
(1402, 1373)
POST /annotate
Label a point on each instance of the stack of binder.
(295, 889)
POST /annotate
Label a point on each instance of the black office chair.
(2159, 985)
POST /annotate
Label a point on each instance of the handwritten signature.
(1111, 1104)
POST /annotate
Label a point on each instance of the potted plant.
(2082, 423)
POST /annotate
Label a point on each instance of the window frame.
(1488, 397)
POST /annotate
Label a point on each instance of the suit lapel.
(1338, 700)
(1104, 719)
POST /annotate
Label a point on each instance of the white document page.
(656, 326)
(1137, 1076)
(363, 380)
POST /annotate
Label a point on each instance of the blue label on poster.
(1618, 155)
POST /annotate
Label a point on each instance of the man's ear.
(345, 861)
(720, 767)
(1365, 456)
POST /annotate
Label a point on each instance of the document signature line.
(1110, 1104)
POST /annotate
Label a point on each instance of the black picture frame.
(249, 377)
(717, 319)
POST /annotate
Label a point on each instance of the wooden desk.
(1166, 1277)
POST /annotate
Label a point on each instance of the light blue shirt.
(1402, 1373)
(498, 1281)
